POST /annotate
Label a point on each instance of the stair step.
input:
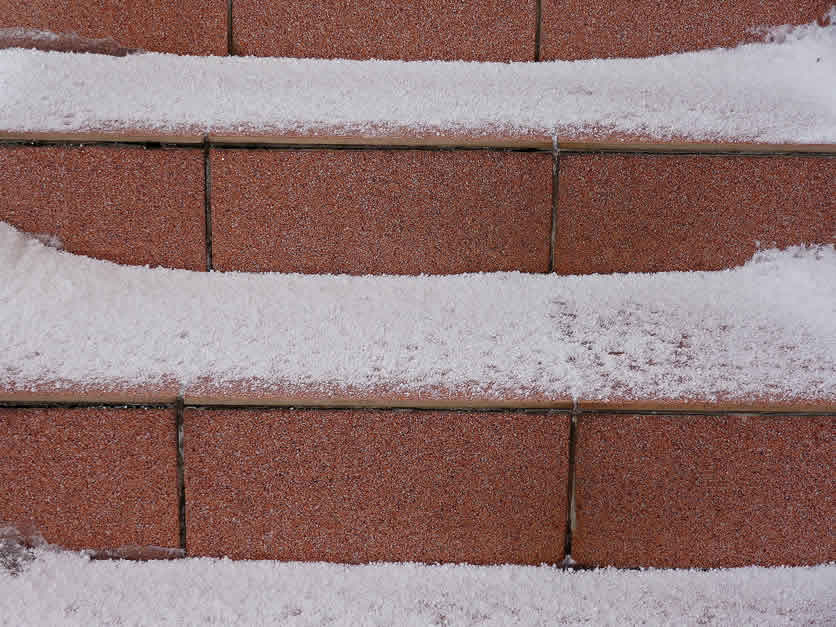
(730, 96)
(702, 491)
(500, 30)
(384, 211)
(757, 336)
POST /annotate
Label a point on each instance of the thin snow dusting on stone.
(780, 91)
(67, 589)
(764, 330)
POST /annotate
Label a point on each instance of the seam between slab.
(207, 203)
(230, 38)
(555, 192)
(538, 28)
(561, 408)
(825, 151)
(570, 488)
(181, 473)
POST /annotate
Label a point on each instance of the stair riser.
(479, 487)
(380, 211)
(495, 30)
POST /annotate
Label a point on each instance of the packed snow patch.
(68, 589)
(766, 329)
(770, 92)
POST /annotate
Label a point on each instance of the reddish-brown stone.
(489, 30)
(365, 485)
(128, 205)
(587, 29)
(650, 213)
(704, 491)
(98, 478)
(64, 42)
(155, 25)
(380, 212)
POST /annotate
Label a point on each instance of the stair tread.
(722, 96)
(759, 336)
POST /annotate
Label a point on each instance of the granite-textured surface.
(380, 211)
(653, 213)
(155, 25)
(49, 391)
(591, 29)
(704, 491)
(130, 205)
(490, 30)
(365, 485)
(98, 478)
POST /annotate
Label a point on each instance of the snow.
(766, 329)
(68, 589)
(777, 91)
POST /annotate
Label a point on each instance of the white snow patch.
(767, 329)
(768, 92)
(67, 589)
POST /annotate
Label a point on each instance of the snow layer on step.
(769, 92)
(767, 329)
(67, 589)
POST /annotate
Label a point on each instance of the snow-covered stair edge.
(772, 93)
(757, 337)
(58, 587)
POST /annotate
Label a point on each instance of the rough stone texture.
(97, 478)
(365, 485)
(254, 391)
(380, 212)
(652, 213)
(64, 391)
(64, 42)
(128, 205)
(154, 25)
(588, 29)
(490, 30)
(704, 491)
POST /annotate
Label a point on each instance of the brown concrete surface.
(380, 212)
(95, 478)
(365, 485)
(489, 30)
(588, 29)
(652, 213)
(155, 25)
(129, 205)
(704, 491)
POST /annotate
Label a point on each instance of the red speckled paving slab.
(95, 478)
(489, 30)
(365, 485)
(157, 25)
(380, 212)
(704, 491)
(128, 205)
(654, 213)
(589, 29)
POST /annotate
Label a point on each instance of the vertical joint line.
(230, 42)
(555, 190)
(570, 509)
(181, 473)
(538, 28)
(207, 201)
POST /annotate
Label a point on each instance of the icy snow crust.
(67, 589)
(781, 91)
(764, 330)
